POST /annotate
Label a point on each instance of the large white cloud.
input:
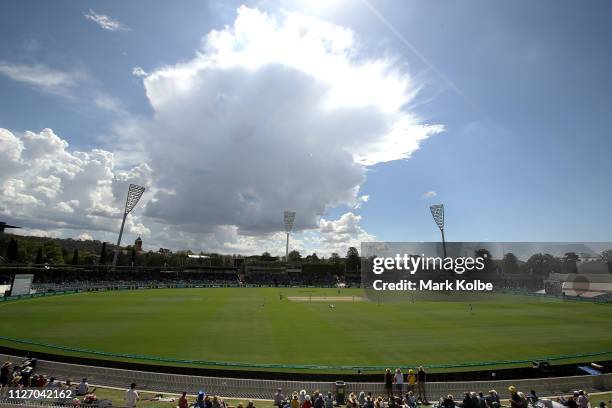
(343, 232)
(45, 185)
(270, 114)
(273, 114)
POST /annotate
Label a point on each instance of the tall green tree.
(542, 265)
(353, 262)
(87, 258)
(53, 252)
(510, 263)
(312, 258)
(103, 255)
(335, 258)
(489, 263)
(12, 250)
(266, 257)
(39, 257)
(75, 256)
(294, 256)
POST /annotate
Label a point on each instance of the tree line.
(57, 251)
(37, 250)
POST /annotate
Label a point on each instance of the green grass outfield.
(252, 325)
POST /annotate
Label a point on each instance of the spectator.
(467, 401)
(352, 401)
(131, 396)
(410, 400)
(475, 400)
(90, 399)
(200, 400)
(318, 400)
(306, 403)
(448, 402)
(5, 372)
(399, 381)
(302, 397)
(361, 399)
(421, 379)
(68, 384)
(295, 403)
(571, 401)
(583, 400)
(183, 402)
(279, 398)
(329, 401)
(602, 404)
(492, 399)
(411, 379)
(389, 382)
(514, 397)
(15, 379)
(82, 388)
(52, 383)
(481, 400)
(42, 381)
(217, 402)
(250, 405)
(393, 403)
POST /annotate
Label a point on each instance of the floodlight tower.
(134, 194)
(437, 212)
(289, 218)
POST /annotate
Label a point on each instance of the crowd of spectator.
(291, 279)
(20, 377)
(61, 278)
(95, 281)
(401, 391)
(398, 396)
(133, 284)
(66, 277)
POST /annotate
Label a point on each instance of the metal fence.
(264, 389)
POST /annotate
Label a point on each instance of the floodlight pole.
(116, 254)
(288, 218)
(443, 242)
(437, 212)
(133, 195)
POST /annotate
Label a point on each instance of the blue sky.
(522, 89)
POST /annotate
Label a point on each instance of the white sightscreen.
(22, 284)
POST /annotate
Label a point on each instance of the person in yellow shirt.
(412, 380)
(294, 401)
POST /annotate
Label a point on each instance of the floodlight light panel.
(437, 212)
(289, 218)
(134, 194)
